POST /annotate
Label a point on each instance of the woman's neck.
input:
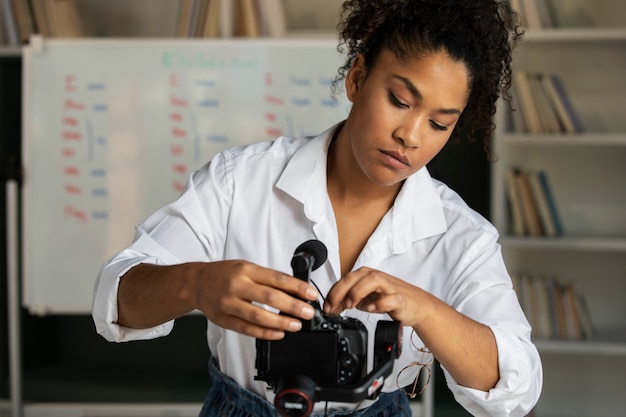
(346, 182)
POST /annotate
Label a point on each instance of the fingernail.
(311, 293)
(295, 325)
(308, 312)
(348, 304)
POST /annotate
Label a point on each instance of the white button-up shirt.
(261, 201)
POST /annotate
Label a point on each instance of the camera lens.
(295, 396)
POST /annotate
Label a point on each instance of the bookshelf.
(586, 47)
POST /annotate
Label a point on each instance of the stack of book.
(532, 207)
(535, 14)
(228, 18)
(50, 18)
(554, 310)
(542, 105)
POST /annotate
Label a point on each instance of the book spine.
(531, 215)
(551, 202)
(541, 202)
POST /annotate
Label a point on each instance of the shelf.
(575, 35)
(587, 244)
(552, 139)
(607, 343)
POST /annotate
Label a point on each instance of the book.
(572, 317)
(211, 26)
(559, 329)
(543, 306)
(515, 204)
(544, 103)
(565, 101)
(227, 18)
(184, 16)
(517, 114)
(40, 17)
(24, 19)
(541, 202)
(531, 13)
(584, 317)
(554, 310)
(192, 20)
(59, 18)
(547, 114)
(247, 19)
(551, 202)
(68, 22)
(529, 207)
(526, 100)
(200, 19)
(273, 20)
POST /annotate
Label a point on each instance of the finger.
(337, 299)
(389, 303)
(369, 303)
(277, 299)
(288, 284)
(250, 329)
(365, 288)
(370, 288)
(255, 318)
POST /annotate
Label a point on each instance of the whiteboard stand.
(15, 360)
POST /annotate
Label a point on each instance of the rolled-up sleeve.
(520, 382)
(484, 292)
(104, 309)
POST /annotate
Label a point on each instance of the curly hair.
(480, 33)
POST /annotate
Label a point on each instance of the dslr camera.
(327, 359)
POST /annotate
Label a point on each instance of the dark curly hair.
(479, 33)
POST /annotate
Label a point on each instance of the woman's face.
(403, 113)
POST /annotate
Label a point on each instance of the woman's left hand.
(376, 292)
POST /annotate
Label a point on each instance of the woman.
(401, 245)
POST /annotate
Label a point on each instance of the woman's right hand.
(230, 294)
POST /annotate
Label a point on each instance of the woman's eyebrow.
(416, 93)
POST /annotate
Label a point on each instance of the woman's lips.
(395, 159)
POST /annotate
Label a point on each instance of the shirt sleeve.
(520, 382)
(192, 228)
(485, 293)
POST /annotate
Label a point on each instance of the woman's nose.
(410, 132)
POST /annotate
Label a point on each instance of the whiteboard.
(113, 127)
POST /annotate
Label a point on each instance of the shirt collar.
(304, 177)
(417, 212)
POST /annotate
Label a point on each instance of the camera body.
(327, 359)
(331, 350)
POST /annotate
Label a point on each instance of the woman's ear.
(355, 76)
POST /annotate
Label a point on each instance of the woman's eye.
(438, 126)
(396, 101)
